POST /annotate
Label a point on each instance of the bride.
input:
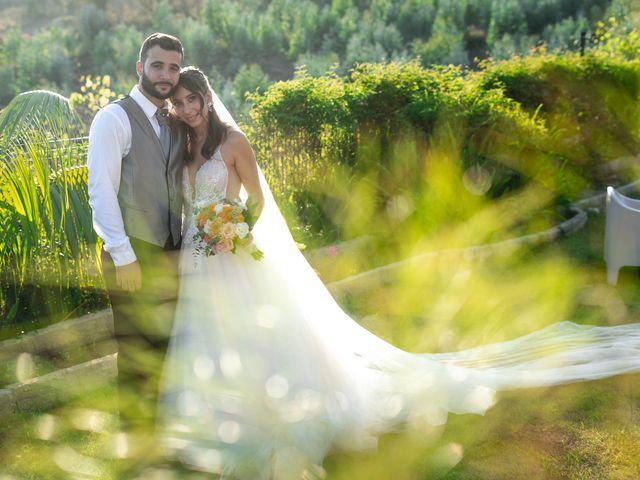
(265, 374)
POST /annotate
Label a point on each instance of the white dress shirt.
(109, 143)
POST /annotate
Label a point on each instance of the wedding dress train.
(266, 374)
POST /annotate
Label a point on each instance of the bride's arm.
(246, 166)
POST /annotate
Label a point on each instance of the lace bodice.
(210, 186)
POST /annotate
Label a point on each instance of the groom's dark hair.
(164, 41)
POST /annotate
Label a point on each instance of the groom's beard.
(150, 88)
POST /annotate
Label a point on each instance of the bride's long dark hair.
(194, 80)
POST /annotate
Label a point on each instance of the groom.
(135, 167)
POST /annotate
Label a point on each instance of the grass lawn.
(588, 430)
(50, 445)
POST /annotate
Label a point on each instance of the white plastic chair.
(622, 233)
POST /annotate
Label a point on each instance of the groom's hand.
(129, 277)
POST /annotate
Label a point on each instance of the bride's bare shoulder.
(235, 138)
(237, 145)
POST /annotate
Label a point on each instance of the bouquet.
(224, 227)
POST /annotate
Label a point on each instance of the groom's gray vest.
(150, 194)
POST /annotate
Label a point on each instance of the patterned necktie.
(162, 115)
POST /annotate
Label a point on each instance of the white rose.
(218, 208)
(242, 229)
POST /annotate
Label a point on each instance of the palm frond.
(41, 110)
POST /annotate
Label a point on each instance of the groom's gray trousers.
(142, 326)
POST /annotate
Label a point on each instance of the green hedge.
(549, 120)
(590, 102)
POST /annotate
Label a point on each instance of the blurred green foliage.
(581, 430)
(52, 43)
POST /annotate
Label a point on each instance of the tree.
(506, 17)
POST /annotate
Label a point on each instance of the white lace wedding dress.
(249, 387)
(265, 374)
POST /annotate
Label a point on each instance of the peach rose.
(224, 246)
(228, 231)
